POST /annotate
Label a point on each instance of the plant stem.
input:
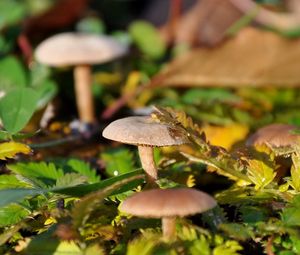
(148, 164)
(83, 91)
(169, 227)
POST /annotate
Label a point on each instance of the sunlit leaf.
(10, 149)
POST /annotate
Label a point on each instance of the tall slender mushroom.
(146, 134)
(81, 51)
(168, 204)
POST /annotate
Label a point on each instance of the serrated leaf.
(260, 173)
(47, 173)
(136, 177)
(70, 180)
(11, 181)
(118, 161)
(82, 209)
(228, 248)
(10, 149)
(9, 196)
(17, 107)
(12, 214)
(237, 231)
(84, 169)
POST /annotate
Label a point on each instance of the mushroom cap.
(143, 130)
(158, 203)
(67, 49)
(275, 136)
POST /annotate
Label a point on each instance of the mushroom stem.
(169, 227)
(83, 92)
(147, 160)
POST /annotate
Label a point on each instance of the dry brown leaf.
(253, 58)
(205, 23)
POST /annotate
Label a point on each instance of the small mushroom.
(168, 204)
(278, 137)
(80, 50)
(144, 132)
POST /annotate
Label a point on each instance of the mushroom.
(81, 51)
(278, 137)
(168, 204)
(146, 133)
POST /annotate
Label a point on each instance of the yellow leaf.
(225, 136)
(10, 149)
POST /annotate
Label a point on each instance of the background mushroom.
(81, 51)
(146, 134)
(278, 137)
(168, 204)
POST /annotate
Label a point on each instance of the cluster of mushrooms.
(167, 204)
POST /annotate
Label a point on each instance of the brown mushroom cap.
(144, 131)
(275, 136)
(67, 49)
(158, 203)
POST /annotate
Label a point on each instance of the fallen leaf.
(225, 136)
(253, 58)
(10, 149)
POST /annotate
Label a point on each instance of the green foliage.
(84, 169)
(17, 107)
(11, 11)
(91, 25)
(12, 214)
(118, 161)
(12, 73)
(291, 214)
(198, 96)
(43, 172)
(146, 37)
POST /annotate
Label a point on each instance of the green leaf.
(11, 181)
(46, 92)
(92, 25)
(131, 180)
(11, 11)
(118, 161)
(84, 169)
(70, 180)
(295, 171)
(290, 215)
(237, 231)
(12, 73)
(47, 244)
(9, 196)
(198, 96)
(260, 173)
(17, 107)
(47, 173)
(228, 248)
(82, 209)
(12, 214)
(147, 39)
